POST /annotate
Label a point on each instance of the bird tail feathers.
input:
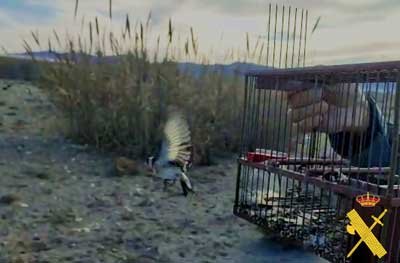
(186, 184)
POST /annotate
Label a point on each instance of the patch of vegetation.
(21, 69)
(122, 105)
(119, 102)
(61, 216)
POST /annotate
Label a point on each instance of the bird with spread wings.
(175, 156)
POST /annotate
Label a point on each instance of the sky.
(348, 32)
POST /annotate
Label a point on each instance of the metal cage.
(302, 185)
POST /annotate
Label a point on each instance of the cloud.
(369, 48)
(334, 13)
(365, 52)
(253, 6)
(346, 26)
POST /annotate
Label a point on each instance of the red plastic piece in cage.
(264, 155)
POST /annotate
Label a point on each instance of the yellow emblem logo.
(365, 233)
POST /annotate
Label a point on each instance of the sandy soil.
(61, 202)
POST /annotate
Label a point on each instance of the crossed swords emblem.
(365, 233)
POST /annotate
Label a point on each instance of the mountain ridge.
(193, 69)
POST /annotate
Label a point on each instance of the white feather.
(177, 139)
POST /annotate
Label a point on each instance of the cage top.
(332, 69)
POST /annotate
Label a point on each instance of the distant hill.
(49, 56)
(41, 55)
(190, 68)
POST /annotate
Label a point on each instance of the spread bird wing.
(177, 145)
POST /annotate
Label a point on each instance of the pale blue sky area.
(28, 11)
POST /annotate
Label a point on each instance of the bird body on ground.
(176, 153)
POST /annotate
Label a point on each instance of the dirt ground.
(62, 202)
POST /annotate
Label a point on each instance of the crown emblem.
(368, 200)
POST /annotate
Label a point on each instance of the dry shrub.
(120, 105)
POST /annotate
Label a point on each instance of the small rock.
(217, 244)
(66, 169)
(57, 240)
(223, 254)
(96, 226)
(138, 191)
(221, 173)
(127, 214)
(146, 202)
(72, 245)
(124, 166)
(128, 209)
(228, 243)
(38, 246)
(6, 87)
(81, 230)
(100, 248)
(9, 199)
(47, 191)
(43, 175)
(69, 258)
